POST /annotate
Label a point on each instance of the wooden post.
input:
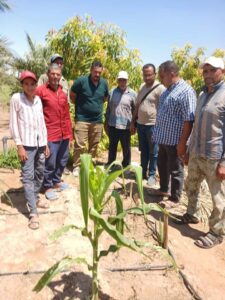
(165, 231)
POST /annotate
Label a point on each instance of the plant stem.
(95, 265)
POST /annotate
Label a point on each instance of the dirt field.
(25, 254)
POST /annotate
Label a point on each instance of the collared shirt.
(176, 106)
(147, 109)
(56, 113)
(90, 99)
(27, 124)
(208, 135)
(120, 108)
(64, 84)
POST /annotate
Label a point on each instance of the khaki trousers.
(87, 136)
(199, 169)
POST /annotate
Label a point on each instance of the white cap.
(122, 75)
(216, 62)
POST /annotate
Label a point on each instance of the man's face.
(54, 76)
(212, 75)
(166, 78)
(122, 83)
(96, 73)
(59, 62)
(149, 76)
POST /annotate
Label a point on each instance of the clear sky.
(153, 27)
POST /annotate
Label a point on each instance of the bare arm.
(181, 147)
(73, 97)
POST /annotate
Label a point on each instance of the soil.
(25, 254)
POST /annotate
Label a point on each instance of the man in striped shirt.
(207, 153)
(173, 126)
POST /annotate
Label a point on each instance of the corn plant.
(94, 185)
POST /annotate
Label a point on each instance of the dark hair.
(146, 66)
(96, 64)
(169, 66)
(54, 66)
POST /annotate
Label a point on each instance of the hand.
(181, 149)
(22, 153)
(132, 128)
(220, 172)
(47, 152)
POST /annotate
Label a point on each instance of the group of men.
(171, 125)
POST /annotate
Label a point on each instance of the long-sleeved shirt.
(176, 105)
(27, 123)
(120, 108)
(56, 113)
(208, 135)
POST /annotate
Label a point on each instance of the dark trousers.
(170, 165)
(148, 149)
(56, 162)
(116, 136)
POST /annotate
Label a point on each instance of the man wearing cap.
(145, 115)
(55, 59)
(58, 123)
(118, 118)
(207, 153)
(88, 93)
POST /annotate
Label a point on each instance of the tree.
(37, 58)
(189, 63)
(80, 41)
(4, 5)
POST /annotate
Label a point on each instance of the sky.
(152, 27)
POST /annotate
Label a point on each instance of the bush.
(10, 159)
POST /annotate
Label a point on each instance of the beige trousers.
(199, 169)
(87, 137)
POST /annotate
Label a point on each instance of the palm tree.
(4, 5)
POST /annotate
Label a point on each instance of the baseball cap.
(122, 75)
(216, 62)
(55, 56)
(27, 74)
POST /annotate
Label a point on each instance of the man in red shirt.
(59, 129)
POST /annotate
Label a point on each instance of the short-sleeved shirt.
(89, 99)
(176, 106)
(120, 108)
(56, 113)
(147, 109)
(208, 135)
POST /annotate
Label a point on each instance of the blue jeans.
(149, 149)
(56, 162)
(33, 175)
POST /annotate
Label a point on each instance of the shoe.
(66, 171)
(186, 219)
(51, 195)
(151, 181)
(159, 192)
(168, 204)
(76, 172)
(61, 186)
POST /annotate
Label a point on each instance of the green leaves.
(58, 233)
(60, 266)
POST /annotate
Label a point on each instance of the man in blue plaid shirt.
(172, 129)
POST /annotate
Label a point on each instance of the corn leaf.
(119, 210)
(63, 264)
(58, 233)
(138, 175)
(115, 234)
(146, 208)
(84, 184)
(112, 248)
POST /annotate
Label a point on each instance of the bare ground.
(26, 253)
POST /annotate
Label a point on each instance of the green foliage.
(81, 41)
(36, 60)
(4, 5)
(10, 159)
(189, 62)
(94, 186)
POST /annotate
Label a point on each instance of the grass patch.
(10, 159)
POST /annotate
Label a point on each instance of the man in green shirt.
(88, 93)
